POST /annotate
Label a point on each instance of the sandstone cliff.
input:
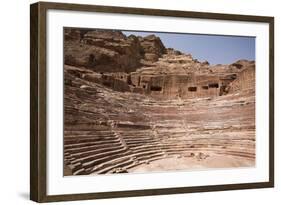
(144, 65)
(132, 105)
(110, 51)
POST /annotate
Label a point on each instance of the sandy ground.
(192, 163)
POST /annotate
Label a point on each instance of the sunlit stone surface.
(132, 105)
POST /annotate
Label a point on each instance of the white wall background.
(14, 101)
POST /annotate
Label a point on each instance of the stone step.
(96, 162)
(88, 135)
(134, 156)
(86, 148)
(112, 162)
(98, 156)
(91, 143)
(140, 142)
(112, 168)
(72, 141)
(95, 152)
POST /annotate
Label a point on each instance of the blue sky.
(215, 49)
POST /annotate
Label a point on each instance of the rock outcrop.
(144, 65)
(110, 51)
(135, 104)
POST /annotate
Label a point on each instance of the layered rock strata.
(132, 105)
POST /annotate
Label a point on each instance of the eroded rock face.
(146, 66)
(245, 80)
(152, 47)
(110, 51)
(103, 51)
(128, 111)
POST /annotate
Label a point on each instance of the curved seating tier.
(110, 132)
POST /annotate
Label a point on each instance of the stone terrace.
(116, 132)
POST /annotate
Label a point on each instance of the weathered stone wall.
(118, 84)
(179, 86)
(244, 81)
